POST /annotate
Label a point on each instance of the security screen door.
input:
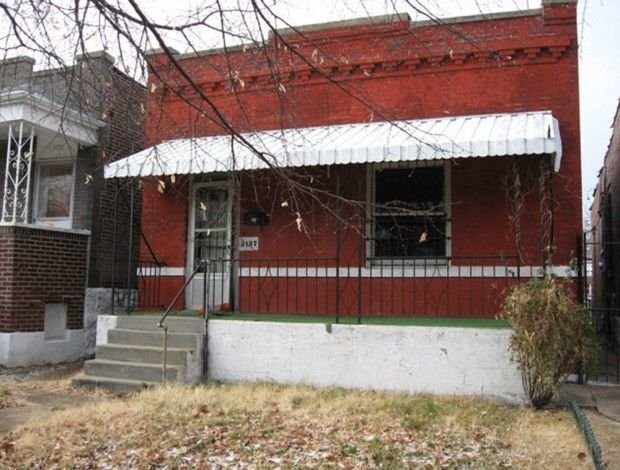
(210, 234)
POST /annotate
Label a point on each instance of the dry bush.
(553, 336)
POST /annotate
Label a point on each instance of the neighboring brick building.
(426, 228)
(605, 214)
(603, 248)
(58, 127)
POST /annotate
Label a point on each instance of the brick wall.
(38, 267)
(119, 101)
(123, 136)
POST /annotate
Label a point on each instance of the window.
(54, 193)
(409, 212)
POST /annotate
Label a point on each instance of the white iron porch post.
(19, 156)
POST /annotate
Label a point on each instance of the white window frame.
(371, 171)
(58, 222)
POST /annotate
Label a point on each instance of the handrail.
(160, 323)
(164, 327)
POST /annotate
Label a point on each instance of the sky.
(599, 84)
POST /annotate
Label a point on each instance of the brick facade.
(383, 70)
(39, 266)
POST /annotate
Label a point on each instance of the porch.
(392, 219)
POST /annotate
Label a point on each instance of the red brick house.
(57, 222)
(379, 166)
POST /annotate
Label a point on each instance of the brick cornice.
(500, 54)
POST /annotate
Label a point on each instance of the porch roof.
(56, 116)
(528, 133)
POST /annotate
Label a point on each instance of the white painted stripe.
(165, 271)
(387, 272)
(438, 271)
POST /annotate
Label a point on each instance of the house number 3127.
(248, 244)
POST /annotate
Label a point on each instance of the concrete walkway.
(605, 399)
(34, 393)
(602, 406)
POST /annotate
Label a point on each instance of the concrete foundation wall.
(98, 301)
(471, 361)
(29, 348)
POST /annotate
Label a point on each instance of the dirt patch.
(33, 394)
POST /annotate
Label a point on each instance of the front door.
(210, 239)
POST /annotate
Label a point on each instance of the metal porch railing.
(471, 287)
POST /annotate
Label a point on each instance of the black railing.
(607, 325)
(600, 291)
(149, 284)
(448, 287)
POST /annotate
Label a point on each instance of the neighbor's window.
(409, 212)
(54, 192)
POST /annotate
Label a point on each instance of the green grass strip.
(352, 320)
(345, 320)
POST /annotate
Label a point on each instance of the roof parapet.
(95, 55)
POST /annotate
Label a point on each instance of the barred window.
(409, 212)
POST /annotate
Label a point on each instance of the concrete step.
(149, 323)
(152, 338)
(141, 354)
(131, 370)
(111, 384)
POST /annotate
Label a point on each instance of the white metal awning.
(530, 133)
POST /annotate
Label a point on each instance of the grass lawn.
(266, 426)
(5, 398)
(347, 320)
